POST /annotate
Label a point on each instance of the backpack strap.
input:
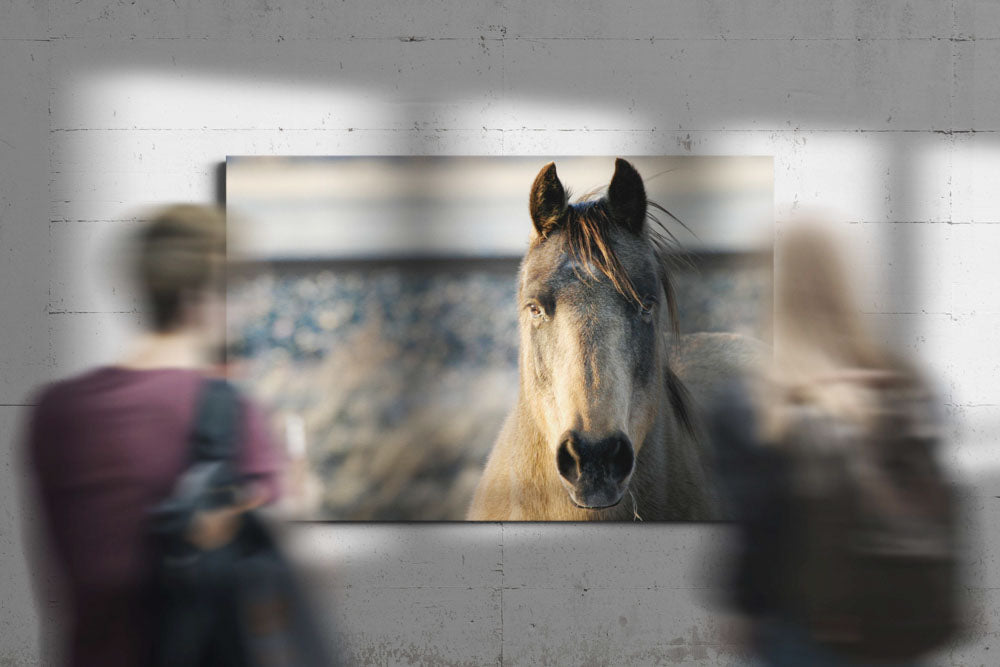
(210, 479)
(216, 423)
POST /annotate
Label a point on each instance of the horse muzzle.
(595, 471)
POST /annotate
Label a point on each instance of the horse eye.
(646, 307)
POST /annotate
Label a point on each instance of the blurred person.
(110, 444)
(846, 547)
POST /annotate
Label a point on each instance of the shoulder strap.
(215, 432)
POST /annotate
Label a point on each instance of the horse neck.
(689, 490)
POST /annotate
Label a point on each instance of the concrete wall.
(887, 112)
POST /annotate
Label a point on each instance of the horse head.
(595, 305)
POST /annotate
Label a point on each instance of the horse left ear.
(547, 201)
(627, 196)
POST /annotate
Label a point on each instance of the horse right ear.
(627, 196)
(548, 200)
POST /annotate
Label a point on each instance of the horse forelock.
(589, 227)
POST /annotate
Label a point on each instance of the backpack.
(874, 571)
(240, 604)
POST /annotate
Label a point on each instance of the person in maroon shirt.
(107, 446)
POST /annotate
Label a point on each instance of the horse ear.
(627, 196)
(548, 200)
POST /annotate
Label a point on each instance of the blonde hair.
(824, 355)
(181, 252)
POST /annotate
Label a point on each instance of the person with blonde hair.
(110, 444)
(847, 544)
(820, 339)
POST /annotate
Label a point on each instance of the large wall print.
(496, 338)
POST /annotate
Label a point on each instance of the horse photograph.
(460, 338)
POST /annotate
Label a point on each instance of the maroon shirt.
(106, 447)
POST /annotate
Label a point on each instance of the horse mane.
(588, 224)
(681, 401)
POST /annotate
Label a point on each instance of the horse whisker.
(635, 507)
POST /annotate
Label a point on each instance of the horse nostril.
(567, 462)
(621, 458)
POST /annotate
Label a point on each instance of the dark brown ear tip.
(627, 195)
(546, 174)
(626, 175)
(621, 164)
(547, 201)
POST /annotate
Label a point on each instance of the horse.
(607, 423)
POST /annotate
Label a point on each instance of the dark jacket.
(756, 495)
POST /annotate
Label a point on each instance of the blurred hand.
(211, 529)
(214, 528)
